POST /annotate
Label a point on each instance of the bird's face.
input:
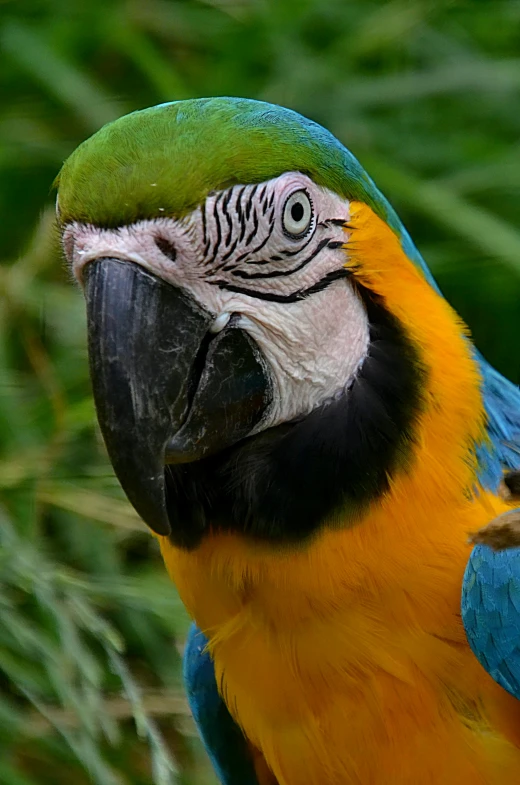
(259, 347)
(210, 329)
(264, 261)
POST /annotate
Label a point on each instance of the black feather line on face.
(294, 297)
(283, 485)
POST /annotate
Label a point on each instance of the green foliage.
(425, 94)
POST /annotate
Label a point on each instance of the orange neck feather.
(443, 470)
(361, 609)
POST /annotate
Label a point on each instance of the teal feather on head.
(165, 160)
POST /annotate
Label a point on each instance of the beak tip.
(155, 515)
(161, 528)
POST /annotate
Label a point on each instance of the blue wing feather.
(491, 613)
(222, 738)
(491, 587)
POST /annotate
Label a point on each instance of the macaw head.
(268, 352)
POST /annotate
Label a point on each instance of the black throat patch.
(281, 486)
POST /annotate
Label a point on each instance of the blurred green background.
(426, 94)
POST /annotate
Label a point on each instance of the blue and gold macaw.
(301, 418)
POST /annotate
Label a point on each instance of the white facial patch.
(274, 254)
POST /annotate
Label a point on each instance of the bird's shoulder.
(234, 759)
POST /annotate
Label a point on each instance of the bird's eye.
(297, 214)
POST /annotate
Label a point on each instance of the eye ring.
(297, 215)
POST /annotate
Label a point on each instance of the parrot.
(300, 417)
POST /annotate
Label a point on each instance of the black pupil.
(297, 212)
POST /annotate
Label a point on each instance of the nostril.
(166, 247)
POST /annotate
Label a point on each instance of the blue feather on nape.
(222, 738)
(491, 613)
(490, 604)
(502, 403)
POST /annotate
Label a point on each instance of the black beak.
(166, 389)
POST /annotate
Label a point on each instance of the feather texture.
(342, 659)
(223, 740)
(491, 613)
(329, 656)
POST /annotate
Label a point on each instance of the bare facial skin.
(274, 254)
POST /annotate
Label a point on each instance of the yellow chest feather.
(346, 662)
